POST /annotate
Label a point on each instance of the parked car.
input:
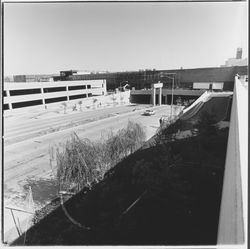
(149, 112)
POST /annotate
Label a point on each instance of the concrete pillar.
(166, 99)
(160, 96)
(9, 102)
(153, 96)
(67, 90)
(43, 99)
(104, 87)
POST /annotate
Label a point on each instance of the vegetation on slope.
(82, 162)
(165, 194)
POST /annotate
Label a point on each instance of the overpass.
(144, 96)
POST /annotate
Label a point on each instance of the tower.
(239, 53)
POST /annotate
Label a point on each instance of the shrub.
(206, 124)
(81, 162)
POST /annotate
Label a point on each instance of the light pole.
(172, 97)
(121, 83)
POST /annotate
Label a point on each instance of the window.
(52, 100)
(27, 103)
(88, 86)
(77, 87)
(54, 89)
(79, 96)
(25, 91)
(6, 107)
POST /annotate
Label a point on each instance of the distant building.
(26, 94)
(34, 78)
(9, 78)
(237, 61)
(239, 53)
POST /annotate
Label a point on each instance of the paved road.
(26, 148)
(30, 157)
(18, 129)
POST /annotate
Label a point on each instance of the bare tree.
(113, 97)
(94, 101)
(121, 99)
(64, 104)
(80, 104)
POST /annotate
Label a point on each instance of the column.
(160, 96)
(153, 97)
(9, 100)
(67, 90)
(166, 99)
(43, 99)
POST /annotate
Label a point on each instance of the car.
(149, 112)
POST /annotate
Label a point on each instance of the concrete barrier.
(232, 227)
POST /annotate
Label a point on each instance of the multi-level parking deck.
(23, 94)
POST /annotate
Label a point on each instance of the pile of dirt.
(164, 194)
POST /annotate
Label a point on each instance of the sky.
(44, 38)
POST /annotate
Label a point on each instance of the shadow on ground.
(43, 190)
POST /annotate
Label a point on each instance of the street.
(27, 142)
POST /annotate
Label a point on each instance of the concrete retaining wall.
(233, 214)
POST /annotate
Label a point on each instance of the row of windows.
(46, 90)
(47, 101)
(24, 92)
(53, 100)
(27, 103)
(79, 96)
(54, 89)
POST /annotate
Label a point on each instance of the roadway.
(28, 138)
(27, 142)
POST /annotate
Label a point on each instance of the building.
(183, 78)
(24, 94)
(34, 78)
(237, 61)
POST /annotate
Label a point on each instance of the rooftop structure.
(237, 61)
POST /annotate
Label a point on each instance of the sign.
(157, 85)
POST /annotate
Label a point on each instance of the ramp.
(216, 104)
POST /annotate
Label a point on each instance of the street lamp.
(172, 98)
(172, 78)
(121, 83)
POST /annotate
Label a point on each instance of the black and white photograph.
(124, 123)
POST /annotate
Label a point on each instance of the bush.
(81, 162)
(206, 124)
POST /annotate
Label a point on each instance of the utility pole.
(172, 77)
(172, 98)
